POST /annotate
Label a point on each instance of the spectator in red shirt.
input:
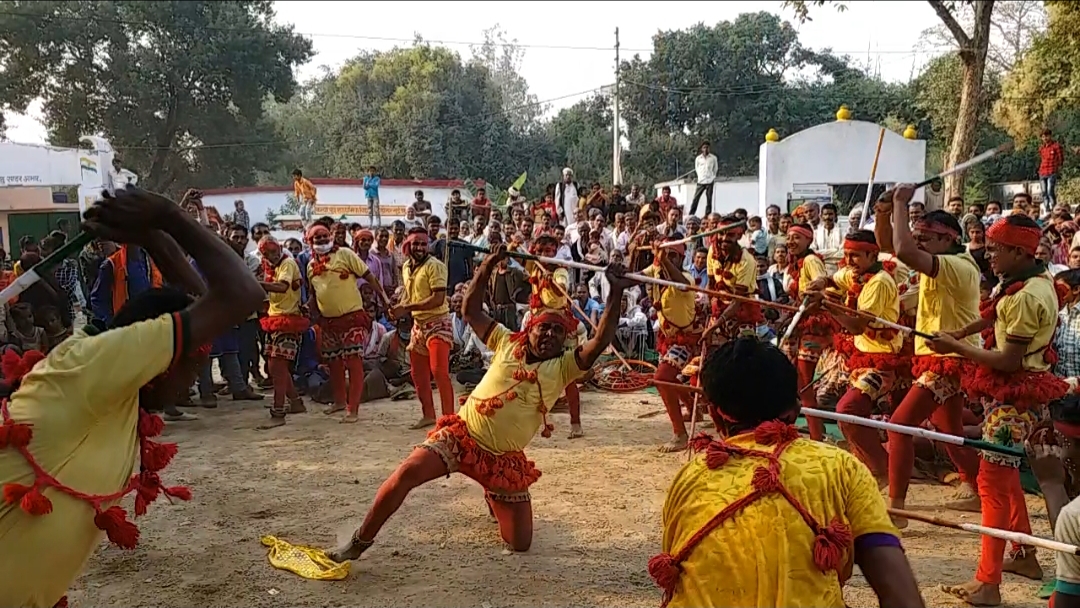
(481, 205)
(1051, 158)
(665, 201)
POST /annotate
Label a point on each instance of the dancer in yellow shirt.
(763, 518)
(486, 439)
(284, 325)
(76, 421)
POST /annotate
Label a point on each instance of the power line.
(764, 89)
(550, 47)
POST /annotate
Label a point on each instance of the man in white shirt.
(579, 228)
(566, 195)
(828, 241)
(706, 168)
(119, 177)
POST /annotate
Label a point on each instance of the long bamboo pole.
(1009, 535)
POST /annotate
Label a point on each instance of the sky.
(887, 35)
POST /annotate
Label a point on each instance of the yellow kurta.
(287, 303)
(423, 281)
(743, 274)
(511, 427)
(82, 401)
(675, 306)
(812, 269)
(949, 301)
(338, 295)
(763, 555)
(1030, 316)
(880, 298)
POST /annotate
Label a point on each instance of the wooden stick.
(862, 313)
(30, 276)
(870, 184)
(981, 158)
(701, 235)
(795, 320)
(694, 413)
(1016, 537)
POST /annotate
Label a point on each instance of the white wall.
(729, 194)
(840, 152)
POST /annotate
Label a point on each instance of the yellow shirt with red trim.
(907, 284)
(764, 553)
(949, 301)
(677, 307)
(1029, 316)
(880, 298)
(335, 295)
(813, 268)
(287, 303)
(83, 403)
(511, 427)
(742, 274)
(421, 283)
(551, 298)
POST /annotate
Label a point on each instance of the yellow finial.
(910, 132)
(843, 113)
(772, 136)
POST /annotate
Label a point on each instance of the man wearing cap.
(566, 195)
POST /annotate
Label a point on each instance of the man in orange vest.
(124, 274)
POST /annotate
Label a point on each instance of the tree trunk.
(973, 57)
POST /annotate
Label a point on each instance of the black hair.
(945, 218)
(354, 226)
(297, 173)
(397, 224)
(546, 239)
(59, 237)
(258, 225)
(701, 250)
(433, 219)
(829, 207)
(1021, 221)
(417, 230)
(749, 382)
(861, 236)
(325, 221)
(956, 198)
(1070, 277)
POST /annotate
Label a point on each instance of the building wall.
(19, 200)
(840, 152)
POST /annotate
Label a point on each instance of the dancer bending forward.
(486, 438)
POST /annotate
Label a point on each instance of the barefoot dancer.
(682, 326)
(766, 518)
(875, 360)
(81, 415)
(733, 269)
(1013, 377)
(283, 324)
(948, 301)
(345, 324)
(425, 299)
(550, 290)
(814, 333)
(486, 438)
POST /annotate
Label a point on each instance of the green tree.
(973, 44)
(176, 86)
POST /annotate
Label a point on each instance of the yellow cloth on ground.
(287, 303)
(338, 296)
(763, 555)
(423, 281)
(83, 403)
(512, 426)
(949, 301)
(312, 564)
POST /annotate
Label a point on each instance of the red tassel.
(61, 603)
(120, 531)
(765, 480)
(4, 433)
(700, 442)
(146, 492)
(156, 456)
(150, 425)
(178, 492)
(829, 545)
(548, 429)
(774, 432)
(36, 503)
(14, 492)
(716, 455)
(665, 571)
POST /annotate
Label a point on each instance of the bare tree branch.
(950, 22)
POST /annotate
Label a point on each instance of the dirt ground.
(597, 510)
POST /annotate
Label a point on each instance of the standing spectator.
(240, 215)
(66, 275)
(705, 166)
(617, 204)
(566, 196)
(411, 221)
(1051, 158)
(371, 193)
(305, 194)
(362, 243)
(458, 260)
(391, 268)
(248, 336)
(481, 204)
(126, 273)
(665, 203)
(421, 206)
(772, 229)
(828, 240)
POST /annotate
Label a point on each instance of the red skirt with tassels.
(947, 367)
(507, 472)
(844, 345)
(1022, 390)
(817, 324)
(286, 324)
(882, 362)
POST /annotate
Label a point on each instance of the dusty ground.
(597, 511)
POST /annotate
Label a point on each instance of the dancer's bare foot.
(965, 499)
(1024, 563)
(677, 444)
(333, 409)
(975, 593)
(352, 549)
(575, 431)
(350, 418)
(274, 422)
(296, 406)
(423, 423)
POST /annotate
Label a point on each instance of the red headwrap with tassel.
(1011, 235)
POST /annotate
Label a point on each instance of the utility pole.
(616, 153)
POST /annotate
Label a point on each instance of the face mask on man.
(323, 249)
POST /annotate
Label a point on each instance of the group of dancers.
(806, 511)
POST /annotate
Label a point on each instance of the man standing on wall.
(1051, 158)
(706, 168)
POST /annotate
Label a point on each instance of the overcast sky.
(887, 34)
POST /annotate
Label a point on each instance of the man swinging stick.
(486, 438)
(732, 268)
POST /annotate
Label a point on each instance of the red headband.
(406, 245)
(1011, 235)
(853, 245)
(315, 231)
(935, 228)
(801, 230)
(267, 243)
(568, 322)
(365, 232)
